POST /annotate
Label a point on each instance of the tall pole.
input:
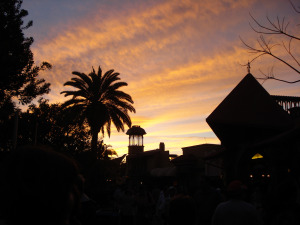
(35, 132)
(15, 131)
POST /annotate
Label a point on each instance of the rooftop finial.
(248, 67)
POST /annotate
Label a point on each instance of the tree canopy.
(47, 124)
(19, 74)
(97, 98)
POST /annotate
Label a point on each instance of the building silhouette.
(259, 132)
(142, 163)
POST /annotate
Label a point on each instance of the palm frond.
(82, 82)
(99, 100)
(108, 125)
(108, 80)
(107, 74)
(117, 121)
(73, 102)
(75, 84)
(96, 84)
(120, 116)
(117, 85)
(123, 95)
(124, 105)
(84, 77)
(79, 93)
(102, 130)
(95, 78)
(99, 72)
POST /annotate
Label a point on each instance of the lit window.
(257, 156)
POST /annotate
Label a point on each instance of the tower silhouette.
(136, 140)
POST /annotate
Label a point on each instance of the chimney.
(162, 146)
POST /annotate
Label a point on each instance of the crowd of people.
(155, 206)
(201, 205)
(41, 186)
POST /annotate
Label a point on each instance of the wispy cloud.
(180, 58)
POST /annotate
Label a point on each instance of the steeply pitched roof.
(248, 106)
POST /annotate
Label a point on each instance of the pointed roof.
(247, 107)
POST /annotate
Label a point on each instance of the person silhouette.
(236, 211)
(39, 186)
(286, 209)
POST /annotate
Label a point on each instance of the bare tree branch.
(275, 27)
(281, 80)
(288, 50)
(294, 7)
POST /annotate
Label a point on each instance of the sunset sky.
(179, 58)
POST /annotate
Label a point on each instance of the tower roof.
(136, 130)
(248, 107)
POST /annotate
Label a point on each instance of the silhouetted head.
(38, 186)
(182, 211)
(236, 189)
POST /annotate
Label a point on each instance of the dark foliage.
(97, 99)
(46, 124)
(19, 74)
(49, 124)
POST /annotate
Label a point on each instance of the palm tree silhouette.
(98, 99)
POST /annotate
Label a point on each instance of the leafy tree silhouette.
(97, 99)
(49, 124)
(19, 74)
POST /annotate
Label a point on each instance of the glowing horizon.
(179, 58)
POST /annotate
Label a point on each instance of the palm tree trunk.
(94, 141)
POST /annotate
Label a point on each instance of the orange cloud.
(180, 59)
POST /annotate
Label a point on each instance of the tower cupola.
(136, 140)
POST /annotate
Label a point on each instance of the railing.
(287, 102)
